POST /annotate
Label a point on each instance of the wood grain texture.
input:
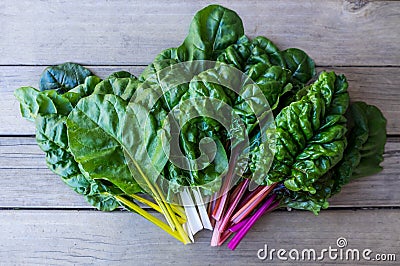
(13, 77)
(28, 183)
(375, 85)
(360, 39)
(133, 32)
(85, 237)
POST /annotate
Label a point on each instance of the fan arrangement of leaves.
(99, 136)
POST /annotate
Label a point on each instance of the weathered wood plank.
(13, 77)
(124, 32)
(376, 85)
(84, 237)
(26, 181)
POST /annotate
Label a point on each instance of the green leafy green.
(49, 110)
(362, 157)
(311, 134)
(212, 30)
(95, 134)
(121, 84)
(63, 77)
(276, 72)
(33, 103)
(371, 151)
(110, 139)
(300, 64)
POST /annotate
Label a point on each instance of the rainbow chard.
(184, 143)
(321, 145)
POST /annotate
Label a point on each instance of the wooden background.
(43, 222)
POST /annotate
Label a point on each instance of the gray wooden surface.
(376, 85)
(43, 222)
(22, 160)
(119, 238)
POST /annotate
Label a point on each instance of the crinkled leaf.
(51, 136)
(310, 134)
(266, 52)
(273, 83)
(237, 54)
(362, 156)
(276, 73)
(82, 90)
(101, 195)
(31, 104)
(367, 138)
(123, 87)
(34, 102)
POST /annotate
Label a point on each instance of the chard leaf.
(31, 104)
(273, 82)
(262, 53)
(237, 54)
(82, 90)
(121, 74)
(371, 151)
(101, 195)
(367, 138)
(363, 154)
(278, 74)
(49, 110)
(310, 134)
(51, 136)
(123, 87)
(34, 102)
(265, 51)
(63, 78)
(96, 139)
(300, 64)
(212, 30)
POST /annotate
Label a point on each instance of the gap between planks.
(24, 173)
(145, 65)
(85, 237)
(378, 86)
(332, 32)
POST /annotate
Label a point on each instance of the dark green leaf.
(371, 152)
(121, 74)
(310, 134)
(212, 30)
(63, 77)
(363, 154)
(300, 64)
